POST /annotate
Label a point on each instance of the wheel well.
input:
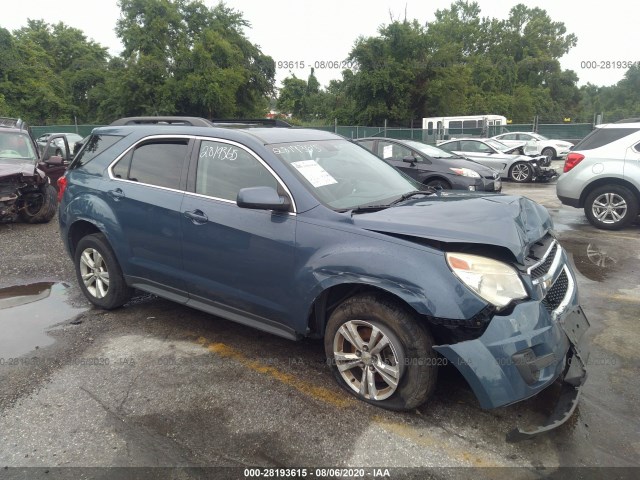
(79, 230)
(550, 148)
(607, 181)
(435, 177)
(332, 297)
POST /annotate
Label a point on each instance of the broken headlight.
(494, 281)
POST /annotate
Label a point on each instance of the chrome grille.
(557, 292)
(542, 268)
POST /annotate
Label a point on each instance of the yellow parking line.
(319, 393)
(342, 401)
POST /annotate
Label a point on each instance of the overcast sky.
(325, 30)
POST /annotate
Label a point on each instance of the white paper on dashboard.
(314, 173)
(387, 151)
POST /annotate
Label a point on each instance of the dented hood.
(17, 168)
(506, 221)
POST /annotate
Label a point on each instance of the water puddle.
(593, 261)
(27, 311)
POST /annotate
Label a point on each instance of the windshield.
(429, 150)
(16, 146)
(497, 145)
(343, 175)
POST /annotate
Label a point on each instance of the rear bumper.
(572, 202)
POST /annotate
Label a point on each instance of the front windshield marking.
(342, 175)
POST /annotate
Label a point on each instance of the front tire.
(521, 172)
(99, 274)
(380, 354)
(611, 207)
(40, 206)
(439, 183)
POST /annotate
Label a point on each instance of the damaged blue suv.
(302, 233)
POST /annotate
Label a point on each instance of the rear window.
(94, 147)
(603, 136)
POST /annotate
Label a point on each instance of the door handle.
(116, 194)
(198, 217)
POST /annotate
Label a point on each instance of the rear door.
(239, 261)
(145, 193)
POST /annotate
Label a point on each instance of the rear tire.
(40, 206)
(380, 353)
(611, 207)
(99, 274)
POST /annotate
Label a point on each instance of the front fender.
(417, 274)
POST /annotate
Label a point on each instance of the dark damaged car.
(26, 189)
(301, 233)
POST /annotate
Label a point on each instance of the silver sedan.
(500, 157)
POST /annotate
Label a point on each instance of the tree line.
(183, 57)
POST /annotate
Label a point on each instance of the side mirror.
(262, 198)
(55, 160)
(409, 159)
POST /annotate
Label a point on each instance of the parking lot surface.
(156, 384)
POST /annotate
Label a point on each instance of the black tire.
(548, 152)
(622, 202)
(39, 206)
(521, 172)
(439, 183)
(411, 351)
(117, 292)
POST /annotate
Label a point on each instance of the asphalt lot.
(156, 384)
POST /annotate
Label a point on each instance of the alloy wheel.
(95, 275)
(369, 359)
(609, 208)
(520, 172)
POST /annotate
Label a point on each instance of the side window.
(525, 137)
(224, 169)
(636, 147)
(94, 145)
(508, 136)
(450, 147)
(472, 146)
(392, 151)
(155, 163)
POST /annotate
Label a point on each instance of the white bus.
(443, 128)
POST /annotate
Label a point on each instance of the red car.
(27, 181)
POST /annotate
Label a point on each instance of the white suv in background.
(536, 144)
(602, 175)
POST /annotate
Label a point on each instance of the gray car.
(602, 175)
(500, 157)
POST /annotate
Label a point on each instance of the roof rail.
(189, 121)
(12, 123)
(201, 122)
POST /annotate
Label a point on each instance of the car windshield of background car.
(16, 146)
(430, 150)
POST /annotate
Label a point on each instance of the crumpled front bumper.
(522, 353)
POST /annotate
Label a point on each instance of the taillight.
(572, 160)
(62, 184)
